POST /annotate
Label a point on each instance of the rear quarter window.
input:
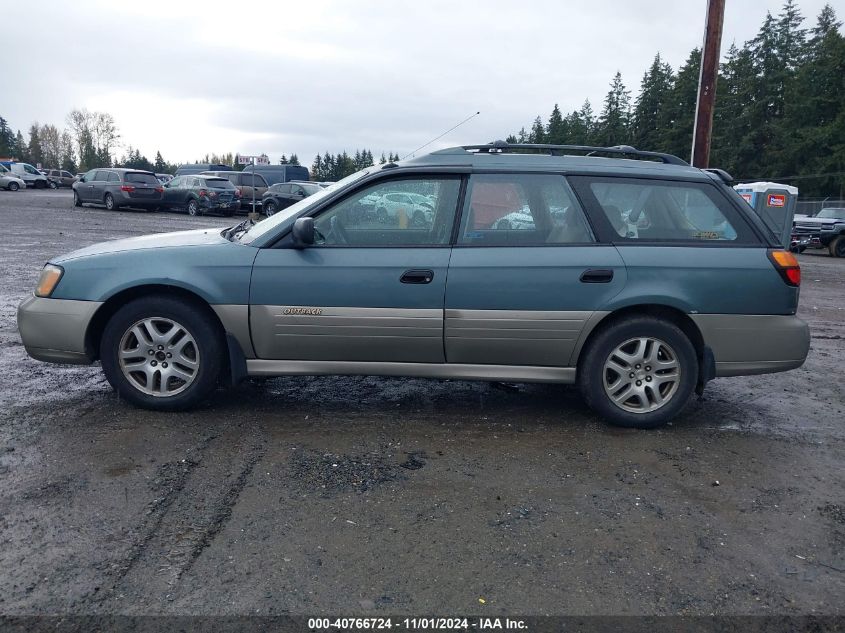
(645, 210)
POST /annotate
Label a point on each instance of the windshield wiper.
(239, 228)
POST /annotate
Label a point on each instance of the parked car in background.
(282, 195)
(250, 185)
(198, 168)
(274, 174)
(9, 181)
(638, 322)
(29, 174)
(117, 187)
(392, 207)
(826, 229)
(198, 195)
(164, 178)
(60, 178)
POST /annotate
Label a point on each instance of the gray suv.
(118, 187)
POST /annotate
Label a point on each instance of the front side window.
(381, 215)
(522, 209)
(113, 177)
(31, 170)
(656, 210)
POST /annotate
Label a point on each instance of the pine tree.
(556, 130)
(538, 132)
(293, 160)
(655, 92)
(160, 165)
(612, 128)
(678, 116)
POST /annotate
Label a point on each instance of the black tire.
(193, 207)
(53, 185)
(40, 184)
(13, 186)
(801, 249)
(108, 200)
(592, 372)
(77, 202)
(196, 321)
(270, 208)
(837, 247)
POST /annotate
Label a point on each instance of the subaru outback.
(630, 273)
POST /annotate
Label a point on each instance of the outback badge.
(307, 311)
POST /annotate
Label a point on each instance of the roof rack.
(501, 147)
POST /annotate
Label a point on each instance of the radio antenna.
(472, 116)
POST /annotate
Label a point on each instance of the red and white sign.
(776, 200)
(243, 159)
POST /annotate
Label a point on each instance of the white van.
(31, 176)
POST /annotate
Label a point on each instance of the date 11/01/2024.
(417, 624)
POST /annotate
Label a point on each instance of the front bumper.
(746, 344)
(53, 330)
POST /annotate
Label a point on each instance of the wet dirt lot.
(375, 495)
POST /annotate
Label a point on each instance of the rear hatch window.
(218, 183)
(138, 178)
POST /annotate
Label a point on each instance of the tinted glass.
(371, 217)
(280, 188)
(114, 177)
(139, 178)
(67, 174)
(217, 183)
(831, 213)
(660, 210)
(522, 209)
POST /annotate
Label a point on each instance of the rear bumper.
(745, 344)
(53, 330)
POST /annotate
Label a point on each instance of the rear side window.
(522, 209)
(658, 210)
(253, 180)
(113, 177)
(142, 179)
(280, 188)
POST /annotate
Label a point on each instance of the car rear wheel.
(270, 209)
(162, 353)
(193, 207)
(109, 201)
(13, 186)
(837, 247)
(639, 372)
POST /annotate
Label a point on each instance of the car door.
(521, 293)
(283, 195)
(172, 191)
(364, 291)
(97, 186)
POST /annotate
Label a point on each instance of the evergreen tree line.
(779, 114)
(333, 167)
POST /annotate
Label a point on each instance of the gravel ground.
(375, 495)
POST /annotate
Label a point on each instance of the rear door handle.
(597, 276)
(417, 276)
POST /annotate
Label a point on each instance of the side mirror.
(303, 232)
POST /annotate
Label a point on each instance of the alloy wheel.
(641, 375)
(159, 357)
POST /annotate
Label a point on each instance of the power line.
(442, 135)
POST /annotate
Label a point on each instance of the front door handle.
(597, 276)
(417, 276)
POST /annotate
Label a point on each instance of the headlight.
(50, 276)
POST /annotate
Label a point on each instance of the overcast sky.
(188, 78)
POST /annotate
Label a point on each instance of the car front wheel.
(837, 247)
(162, 353)
(77, 202)
(13, 186)
(639, 373)
(269, 209)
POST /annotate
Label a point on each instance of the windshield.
(831, 213)
(279, 218)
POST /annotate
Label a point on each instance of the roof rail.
(501, 147)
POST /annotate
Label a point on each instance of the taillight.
(159, 189)
(203, 192)
(128, 188)
(787, 265)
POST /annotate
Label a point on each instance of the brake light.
(159, 189)
(128, 188)
(203, 192)
(787, 265)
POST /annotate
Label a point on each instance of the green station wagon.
(628, 273)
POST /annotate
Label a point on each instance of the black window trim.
(285, 239)
(511, 172)
(607, 235)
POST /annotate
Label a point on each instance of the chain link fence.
(811, 206)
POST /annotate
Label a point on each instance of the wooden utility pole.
(703, 130)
